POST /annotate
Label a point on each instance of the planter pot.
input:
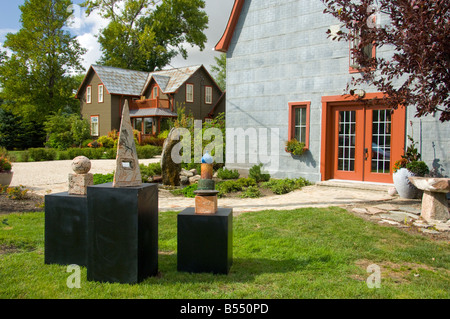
(5, 178)
(403, 185)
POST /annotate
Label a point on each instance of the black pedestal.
(66, 229)
(205, 242)
(123, 233)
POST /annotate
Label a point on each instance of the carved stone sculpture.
(128, 173)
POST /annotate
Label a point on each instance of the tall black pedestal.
(66, 229)
(205, 242)
(123, 233)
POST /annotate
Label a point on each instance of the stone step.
(381, 187)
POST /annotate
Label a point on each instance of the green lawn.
(304, 253)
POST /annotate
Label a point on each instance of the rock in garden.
(392, 191)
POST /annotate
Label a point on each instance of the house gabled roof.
(118, 81)
(170, 81)
(225, 41)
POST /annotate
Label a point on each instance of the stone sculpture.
(128, 173)
(206, 195)
(81, 179)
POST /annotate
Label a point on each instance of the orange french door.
(363, 141)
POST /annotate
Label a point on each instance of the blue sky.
(86, 28)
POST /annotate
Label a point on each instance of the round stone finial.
(81, 165)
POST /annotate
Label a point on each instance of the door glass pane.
(138, 124)
(346, 147)
(148, 125)
(381, 141)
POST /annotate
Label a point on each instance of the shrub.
(17, 192)
(148, 151)
(188, 191)
(228, 186)
(63, 155)
(251, 192)
(224, 173)
(418, 167)
(152, 169)
(103, 178)
(246, 182)
(42, 154)
(287, 185)
(152, 140)
(106, 141)
(257, 175)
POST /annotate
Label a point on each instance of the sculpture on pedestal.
(127, 172)
(206, 194)
(79, 181)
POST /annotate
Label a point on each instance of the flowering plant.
(5, 164)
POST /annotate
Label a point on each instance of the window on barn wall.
(208, 94)
(368, 50)
(190, 93)
(299, 122)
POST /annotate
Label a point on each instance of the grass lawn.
(304, 253)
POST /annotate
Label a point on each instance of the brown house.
(153, 97)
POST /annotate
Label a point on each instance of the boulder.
(170, 169)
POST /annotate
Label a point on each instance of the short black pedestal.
(123, 233)
(205, 242)
(66, 229)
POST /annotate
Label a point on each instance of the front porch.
(150, 121)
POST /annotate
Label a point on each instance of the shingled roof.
(130, 82)
(170, 81)
(121, 81)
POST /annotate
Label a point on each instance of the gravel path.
(52, 177)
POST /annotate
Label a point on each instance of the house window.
(190, 93)
(299, 122)
(89, 94)
(208, 95)
(155, 92)
(94, 125)
(368, 50)
(100, 93)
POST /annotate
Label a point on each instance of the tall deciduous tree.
(36, 78)
(418, 31)
(220, 71)
(146, 34)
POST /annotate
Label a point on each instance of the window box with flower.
(295, 147)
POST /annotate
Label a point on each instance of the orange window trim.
(291, 128)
